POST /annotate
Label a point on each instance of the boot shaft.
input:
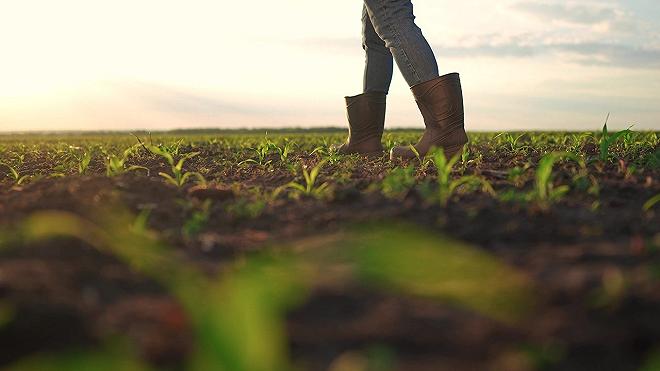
(366, 115)
(441, 102)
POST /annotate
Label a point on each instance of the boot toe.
(402, 153)
(342, 149)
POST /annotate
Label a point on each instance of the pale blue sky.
(159, 64)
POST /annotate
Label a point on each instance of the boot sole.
(450, 152)
(370, 154)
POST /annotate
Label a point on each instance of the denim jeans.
(389, 33)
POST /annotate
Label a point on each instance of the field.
(268, 251)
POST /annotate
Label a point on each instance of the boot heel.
(452, 151)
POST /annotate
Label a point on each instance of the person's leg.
(394, 22)
(366, 111)
(439, 98)
(379, 64)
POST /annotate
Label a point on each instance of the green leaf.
(169, 178)
(417, 262)
(648, 205)
(297, 186)
(161, 152)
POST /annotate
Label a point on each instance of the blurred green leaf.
(652, 363)
(413, 261)
(239, 320)
(107, 360)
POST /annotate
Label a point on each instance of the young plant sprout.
(15, 176)
(116, 165)
(83, 162)
(446, 185)
(310, 188)
(262, 152)
(179, 177)
(545, 192)
(607, 140)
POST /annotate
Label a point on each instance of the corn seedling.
(516, 175)
(310, 188)
(15, 175)
(648, 205)
(246, 208)
(607, 140)
(197, 220)
(116, 165)
(545, 191)
(465, 156)
(577, 140)
(327, 154)
(389, 141)
(83, 161)
(510, 141)
(284, 150)
(140, 223)
(262, 151)
(446, 186)
(416, 152)
(179, 177)
(173, 148)
(398, 181)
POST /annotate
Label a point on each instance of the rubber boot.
(366, 120)
(441, 103)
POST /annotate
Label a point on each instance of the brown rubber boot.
(441, 103)
(366, 120)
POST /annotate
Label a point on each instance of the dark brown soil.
(66, 294)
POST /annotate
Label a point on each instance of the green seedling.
(15, 175)
(389, 141)
(416, 152)
(262, 152)
(116, 165)
(173, 148)
(246, 208)
(398, 181)
(510, 140)
(327, 154)
(465, 156)
(310, 188)
(545, 192)
(448, 186)
(651, 202)
(83, 161)
(652, 160)
(516, 175)
(607, 140)
(577, 140)
(284, 150)
(141, 223)
(179, 177)
(198, 219)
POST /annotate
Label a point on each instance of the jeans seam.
(397, 36)
(373, 44)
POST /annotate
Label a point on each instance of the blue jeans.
(389, 33)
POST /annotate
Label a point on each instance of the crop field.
(254, 251)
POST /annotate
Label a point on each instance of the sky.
(164, 64)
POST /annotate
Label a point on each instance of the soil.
(66, 294)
